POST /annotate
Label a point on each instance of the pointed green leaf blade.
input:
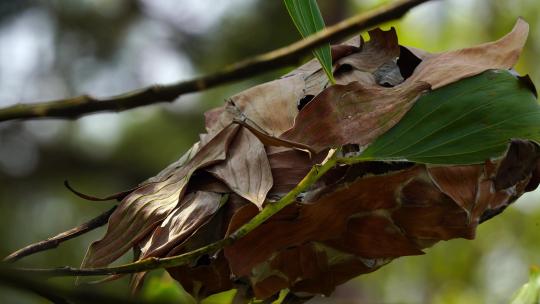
(530, 292)
(308, 20)
(463, 123)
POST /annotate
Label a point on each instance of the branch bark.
(75, 107)
(56, 240)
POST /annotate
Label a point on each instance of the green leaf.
(224, 297)
(308, 20)
(163, 289)
(465, 122)
(530, 292)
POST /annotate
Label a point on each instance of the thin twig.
(116, 196)
(83, 105)
(56, 240)
(153, 263)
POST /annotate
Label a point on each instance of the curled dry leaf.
(194, 211)
(246, 171)
(143, 209)
(268, 106)
(442, 69)
(360, 215)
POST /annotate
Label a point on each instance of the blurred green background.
(53, 49)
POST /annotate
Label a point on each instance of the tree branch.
(56, 240)
(83, 105)
(153, 263)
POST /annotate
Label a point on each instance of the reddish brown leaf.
(352, 114)
(458, 182)
(374, 236)
(363, 224)
(289, 166)
(203, 280)
(381, 48)
(320, 220)
(427, 213)
(343, 50)
(287, 268)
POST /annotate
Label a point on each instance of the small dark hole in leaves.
(344, 68)
(527, 82)
(304, 101)
(375, 168)
(407, 62)
(490, 213)
(350, 148)
(203, 261)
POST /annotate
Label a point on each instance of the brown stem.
(56, 240)
(85, 104)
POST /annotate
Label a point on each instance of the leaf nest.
(438, 143)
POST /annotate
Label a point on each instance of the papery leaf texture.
(144, 209)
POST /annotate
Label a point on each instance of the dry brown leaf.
(365, 222)
(212, 271)
(442, 69)
(456, 181)
(246, 171)
(195, 210)
(375, 63)
(192, 212)
(288, 166)
(358, 238)
(271, 141)
(142, 210)
(270, 106)
(381, 48)
(352, 114)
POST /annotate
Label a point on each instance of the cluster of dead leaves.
(356, 218)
